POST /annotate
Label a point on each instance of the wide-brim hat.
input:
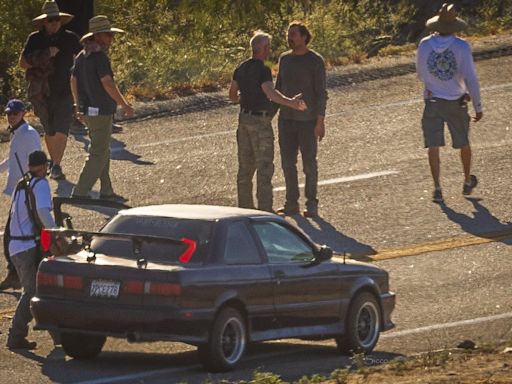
(99, 24)
(51, 9)
(446, 21)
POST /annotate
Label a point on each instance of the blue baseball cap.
(15, 105)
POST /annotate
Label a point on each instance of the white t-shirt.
(445, 65)
(25, 140)
(21, 224)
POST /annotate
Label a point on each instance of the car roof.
(192, 211)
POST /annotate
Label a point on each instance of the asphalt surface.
(374, 203)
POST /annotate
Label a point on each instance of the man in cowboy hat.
(96, 97)
(47, 58)
(445, 64)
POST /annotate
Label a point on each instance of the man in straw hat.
(96, 97)
(47, 58)
(445, 64)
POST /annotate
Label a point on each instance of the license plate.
(105, 288)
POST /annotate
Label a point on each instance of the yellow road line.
(434, 246)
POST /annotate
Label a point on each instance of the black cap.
(37, 158)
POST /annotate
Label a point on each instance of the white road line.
(346, 179)
(435, 327)
(406, 332)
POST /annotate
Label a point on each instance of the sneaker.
(21, 344)
(287, 212)
(78, 128)
(468, 188)
(11, 281)
(310, 213)
(113, 197)
(56, 172)
(437, 196)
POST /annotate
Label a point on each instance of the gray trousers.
(297, 135)
(26, 264)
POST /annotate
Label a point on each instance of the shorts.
(55, 115)
(452, 112)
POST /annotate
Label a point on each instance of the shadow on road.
(118, 152)
(323, 232)
(482, 224)
(288, 360)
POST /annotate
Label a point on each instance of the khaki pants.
(97, 165)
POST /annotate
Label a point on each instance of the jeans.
(26, 264)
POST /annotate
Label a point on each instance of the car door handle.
(279, 275)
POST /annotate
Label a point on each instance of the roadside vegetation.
(177, 47)
(484, 365)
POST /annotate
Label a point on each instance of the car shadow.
(322, 232)
(150, 366)
(482, 224)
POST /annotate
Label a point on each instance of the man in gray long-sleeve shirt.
(301, 70)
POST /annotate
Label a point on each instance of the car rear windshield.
(159, 251)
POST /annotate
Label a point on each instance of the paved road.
(375, 200)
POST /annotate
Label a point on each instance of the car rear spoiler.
(83, 239)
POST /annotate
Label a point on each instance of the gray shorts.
(55, 115)
(452, 112)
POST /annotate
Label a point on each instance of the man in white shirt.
(25, 140)
(444, 64)
(27, 216)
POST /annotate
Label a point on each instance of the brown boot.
(10, 281)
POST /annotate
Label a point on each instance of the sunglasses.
(53, 19)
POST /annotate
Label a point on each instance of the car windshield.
(157, 252)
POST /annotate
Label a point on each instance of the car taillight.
(139, 287)
(59, 280)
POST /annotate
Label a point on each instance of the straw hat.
(51, 9)
(99, 24)
(446, 21)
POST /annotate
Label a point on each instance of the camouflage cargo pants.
(255, 139)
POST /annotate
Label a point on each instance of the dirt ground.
(460, 366)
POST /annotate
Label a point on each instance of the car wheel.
(362, 325)
(82, 346)
(226, 344)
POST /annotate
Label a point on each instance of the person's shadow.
(482, 224)
(322, 232)
(118, 151)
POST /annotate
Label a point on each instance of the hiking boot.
(468, 188)
(56, 172)
(21, 344)
(11, 281)
(116, 128)
(113, 197)
(437, 196)
(287, 211)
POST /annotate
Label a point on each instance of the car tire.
(362, 325)
(81, 346)
(227, 342)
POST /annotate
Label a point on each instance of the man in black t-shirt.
(253, 88)
(47, 58)
(96, 97)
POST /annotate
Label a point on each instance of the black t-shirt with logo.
(68, 44)
(249, 76)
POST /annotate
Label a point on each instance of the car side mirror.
(324, 253)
